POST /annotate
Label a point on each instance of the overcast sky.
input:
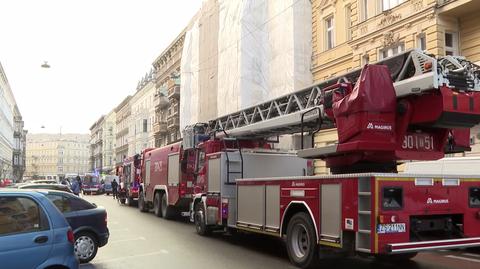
(98, 51)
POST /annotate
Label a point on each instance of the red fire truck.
(129, 174)
(408, 107)
(169, 174)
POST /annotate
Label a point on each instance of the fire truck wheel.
(200, 224)
(301, 242)
(156, 204)
(130, 201)
(397, 258)
(141, 203)
(167, 211)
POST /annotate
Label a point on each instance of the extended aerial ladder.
(451, 83)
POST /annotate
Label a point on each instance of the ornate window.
(348, 22)
(391, 51)
(389, 4)
(422, 41)
(451, 43)
(329, 33)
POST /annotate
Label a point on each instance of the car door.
(26, 237)
(63, 204)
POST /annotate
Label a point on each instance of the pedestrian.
(64, 181)
(79, 181)
(76, 188)
(114, 189)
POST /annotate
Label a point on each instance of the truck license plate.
(391, 228)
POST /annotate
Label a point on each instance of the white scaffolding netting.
(264, 51)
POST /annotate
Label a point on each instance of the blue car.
(33, 232)
(89, 222)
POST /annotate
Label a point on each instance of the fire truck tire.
(397, 258)
(168, 212)
(200, 223)
(301, 242)
(157, 200)
(141, 203)
(130, 201)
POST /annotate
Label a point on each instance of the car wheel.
(85, 247)
(301, 242)
(157, 203)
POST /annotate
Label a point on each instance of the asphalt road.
(143, 241)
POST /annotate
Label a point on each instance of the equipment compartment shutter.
(251, 205)
(214, 175)
(173, 169)
(272, 206)
(147, 172)
(331, 210)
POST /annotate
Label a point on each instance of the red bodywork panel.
(423, 202)
(159, 172)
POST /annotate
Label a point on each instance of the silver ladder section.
(413, 72)
(363, 236)
(234, 161)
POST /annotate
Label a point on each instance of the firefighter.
(114, 189)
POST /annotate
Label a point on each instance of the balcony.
(161, 101)
(174, 91)
(458, 8)
(160, 127)
(122, 148)
(173, 123)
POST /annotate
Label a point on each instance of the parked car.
(33, 233)
(58, 187)
(107, 183)
(43, 181)
(89, 222)
(91, 184)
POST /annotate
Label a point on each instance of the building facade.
(122, 120)
(108, 149)
(96, 145)
(140, 132)
(166, 126)
(57, 154)
(7, 127)
(350, 33)
(19, 148)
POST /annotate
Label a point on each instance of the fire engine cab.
(412, 106)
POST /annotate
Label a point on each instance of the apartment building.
(166, 126)
(122, 121)
(140, 130)
(57, 154)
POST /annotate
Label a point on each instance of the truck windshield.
(90, 180)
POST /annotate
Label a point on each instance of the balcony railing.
(160, 127)
(161, 101)
(173, 122)
(174, 91)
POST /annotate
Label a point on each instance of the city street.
(141, 240)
